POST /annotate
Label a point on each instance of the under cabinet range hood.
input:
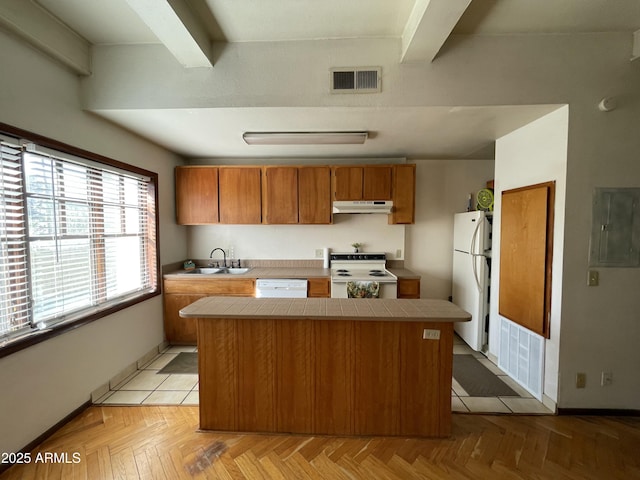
(362, 206)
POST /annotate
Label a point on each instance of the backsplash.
(294, 242)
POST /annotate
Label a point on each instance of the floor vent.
(521, 355)
(355, 80)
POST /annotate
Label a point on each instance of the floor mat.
(185, 362)
(478, 380)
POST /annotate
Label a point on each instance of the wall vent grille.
(355, 80)
(521, 355)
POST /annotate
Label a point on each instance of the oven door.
(388, 288)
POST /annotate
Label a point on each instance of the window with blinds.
(15, 315)
(77, 238)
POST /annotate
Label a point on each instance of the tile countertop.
(378, 309)
(261, 272)
(283, 272)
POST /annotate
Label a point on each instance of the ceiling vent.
(355, 80)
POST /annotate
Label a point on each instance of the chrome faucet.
(224, 256)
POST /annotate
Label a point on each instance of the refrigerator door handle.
(473, 256)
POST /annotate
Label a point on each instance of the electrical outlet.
(429, 334)
(593, 278)
(606, 379)
(581, 380)
(318, 253)
(398, 253)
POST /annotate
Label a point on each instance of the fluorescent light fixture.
(304, 138)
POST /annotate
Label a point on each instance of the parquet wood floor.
(163, 443)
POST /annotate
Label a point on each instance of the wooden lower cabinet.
(178, 293)
(335, 377)
(319, 287)
(408, 288)
(178, 330)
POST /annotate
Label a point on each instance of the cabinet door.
(404, 194)
(196, 195)
(408, 288)
(280, 195)
(240, 194)
(314, 195)
(179, 330)
(319, 288)
(376, 183)
(347, 183)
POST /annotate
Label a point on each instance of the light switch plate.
(593, 278)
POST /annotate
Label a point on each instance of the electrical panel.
(615, 231)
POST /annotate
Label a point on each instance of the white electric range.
(361, 275)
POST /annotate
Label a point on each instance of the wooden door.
(526, 247)
(240, 194)
(347, 183)
(376, 183)
(314, 195)
(196, 195)
(404, 194)
(280, 195)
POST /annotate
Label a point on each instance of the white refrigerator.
(471, 275)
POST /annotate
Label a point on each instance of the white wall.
(600, 325)
(534, 154)
(299, 242)
(44, 383)
(442, 190)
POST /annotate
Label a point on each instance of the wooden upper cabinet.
(362, 182)
(376, 183)
(314, 195)
(280, 203)
(196, 195)
(404, 194)
(347, 183)
(240, 194)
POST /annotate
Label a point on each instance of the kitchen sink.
(216, 270)
(203, 271)
(234, 270)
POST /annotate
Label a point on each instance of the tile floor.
(462, 402)
(147, 387)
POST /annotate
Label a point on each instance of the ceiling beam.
(42, 30)
(174, 23)
(428, 27)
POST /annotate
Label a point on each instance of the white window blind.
(89, 232)
(14, 284)
(76, 237)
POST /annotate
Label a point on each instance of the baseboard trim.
(50, 431)
(604, 412)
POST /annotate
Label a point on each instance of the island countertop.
(376, 309)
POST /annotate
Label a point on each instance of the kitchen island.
(325, 365)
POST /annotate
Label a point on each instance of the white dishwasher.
(281, 288)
